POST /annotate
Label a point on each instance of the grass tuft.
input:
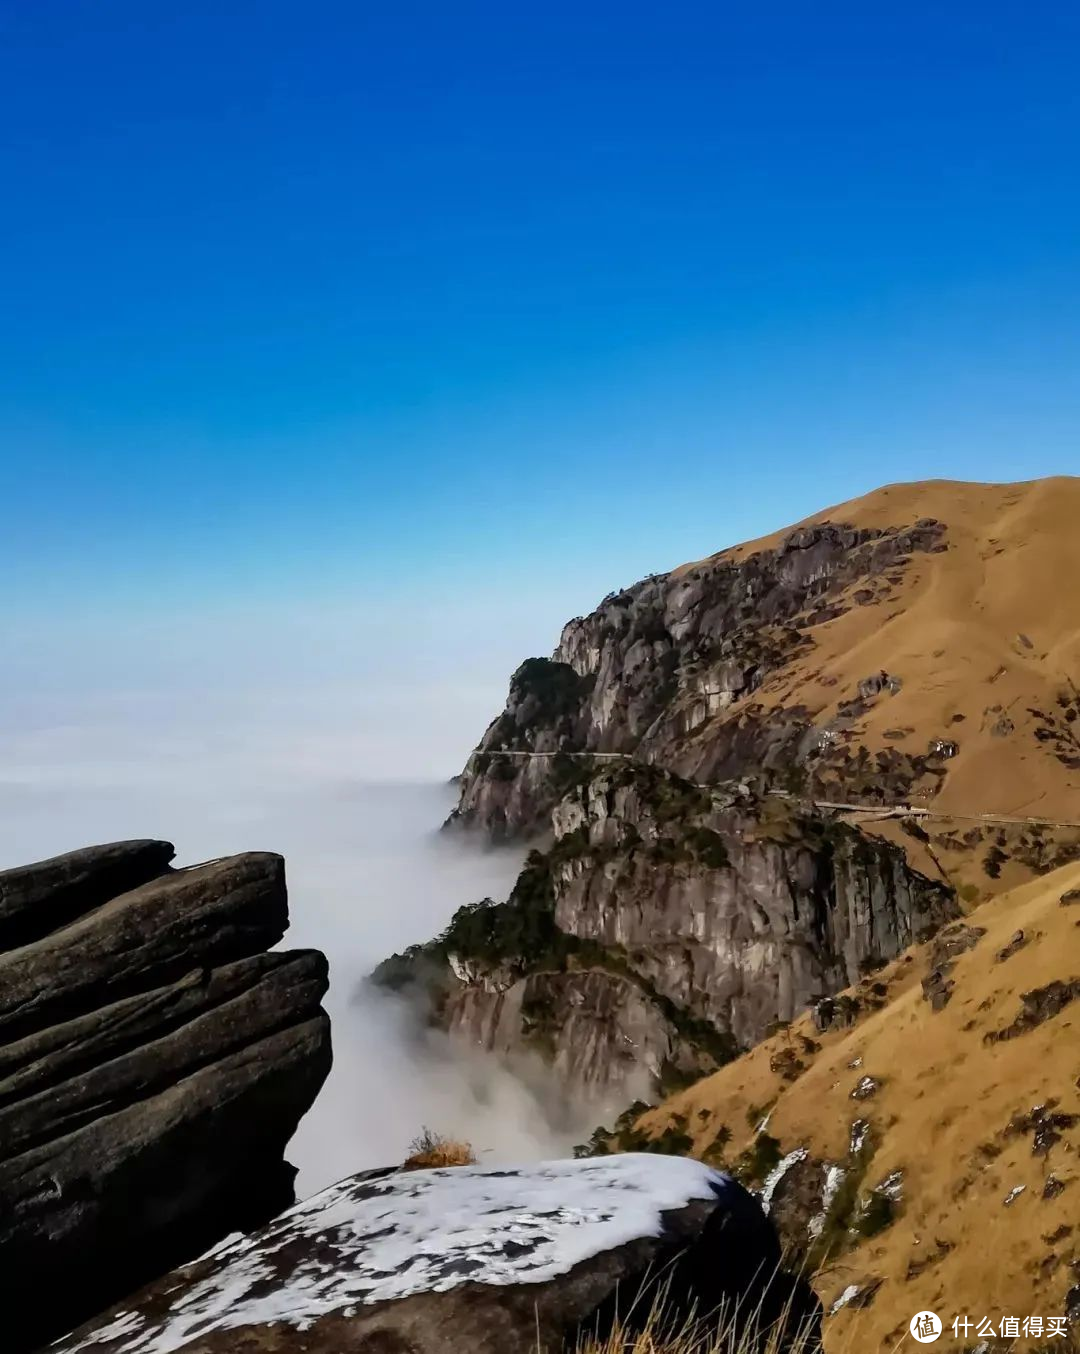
(429, 1150)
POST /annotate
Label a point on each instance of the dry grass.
(729, 1332)
(983, 632)
(430, 1150)
(942, 1114)
(693, 1339)
(984, 637)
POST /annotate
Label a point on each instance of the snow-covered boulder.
(462, 1261)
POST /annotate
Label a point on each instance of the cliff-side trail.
(918, 645)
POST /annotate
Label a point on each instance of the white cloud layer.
(216, 773)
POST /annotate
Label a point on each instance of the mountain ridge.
(938, 674)
(918, 646)
(700, 925)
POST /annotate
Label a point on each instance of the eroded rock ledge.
(154, 1062)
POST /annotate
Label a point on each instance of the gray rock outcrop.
(666, 763)
(667, 670)
(667, 928)
(155, 1059)
(739, 913)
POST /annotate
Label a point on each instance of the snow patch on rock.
(768, 1189)
(364, 1241)
(860, 1130)
(893, 1186)
(851, 1291)
(834, 1178)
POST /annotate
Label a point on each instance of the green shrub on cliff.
(420, 966)
(754, 1165)
(522, 928)
(554, 690)
(520, 932)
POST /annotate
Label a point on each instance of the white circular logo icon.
(925, 1327)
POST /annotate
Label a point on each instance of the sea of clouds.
(308, 772)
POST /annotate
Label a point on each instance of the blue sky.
(334, 310)
(348, 349)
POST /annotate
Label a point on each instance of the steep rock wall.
(600, 1031)
(668, 670)
(741, 912)
(667, 927)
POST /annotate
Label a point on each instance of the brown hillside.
(985, 639)
(952, 1110)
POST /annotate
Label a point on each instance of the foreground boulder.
(471, 1261)
(154, 1062)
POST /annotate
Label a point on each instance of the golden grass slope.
(942, 1115)
(981, 636)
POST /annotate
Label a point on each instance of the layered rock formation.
(154, 1062)
(473, 1261)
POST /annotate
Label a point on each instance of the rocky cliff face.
(739, 911)
(604, 1033)
(671, 670)
(910, 648)
(686, 910)
(154, 1062)
(669, 926)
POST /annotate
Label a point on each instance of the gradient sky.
(404, 322)
(347, 349)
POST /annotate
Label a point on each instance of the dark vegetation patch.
(1017, 943)
(787, 1064)
(1044, 1124)
(851, 1215)
(489, 933)
(755, 1163)
(1038, 847)
(1058, 730)
(549, 692)
(1039, 1005)
(953, 941)
(626, 1136)
(876, 1212)
(923, 1262)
